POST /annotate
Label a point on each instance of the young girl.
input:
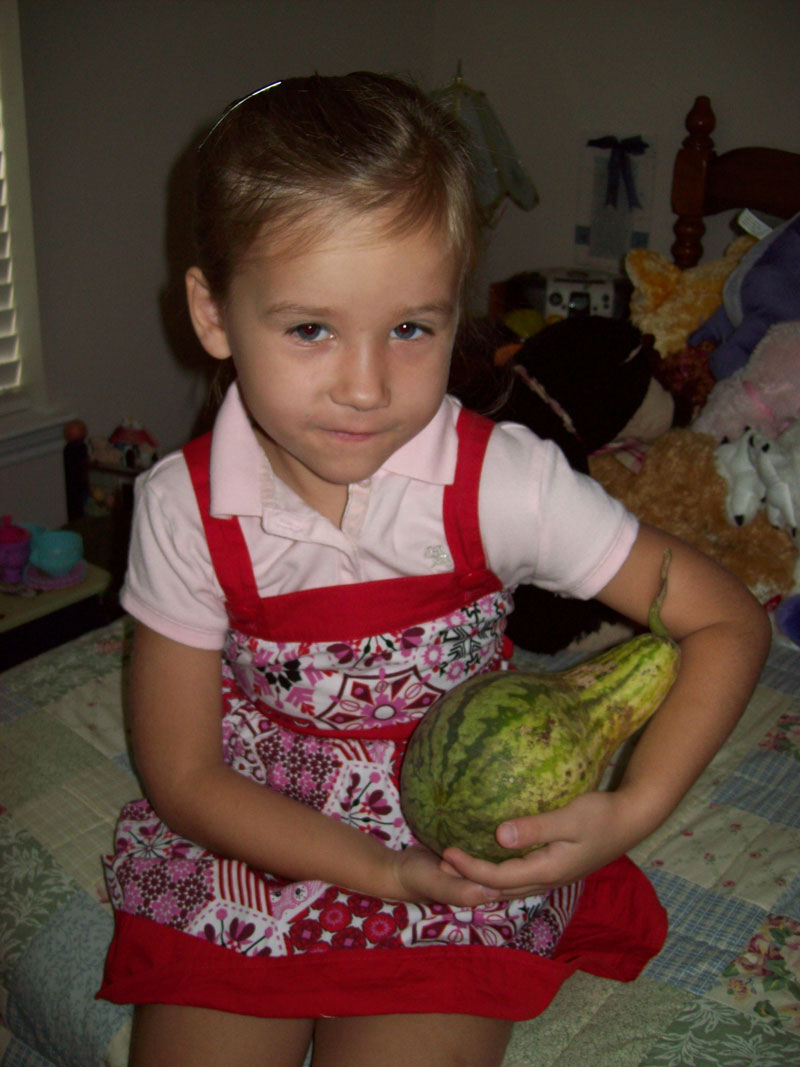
(334, 557)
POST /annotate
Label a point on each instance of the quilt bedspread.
(726, 865)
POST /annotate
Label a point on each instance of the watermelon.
(512, 743)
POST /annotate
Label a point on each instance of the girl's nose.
(361, 379)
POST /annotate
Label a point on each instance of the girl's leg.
(167, 1035)
(398, 1040)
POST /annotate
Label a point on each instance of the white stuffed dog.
(762, 472)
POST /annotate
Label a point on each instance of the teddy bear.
(681, 489)
(764, 288)
(585, 382)
(764, 395)
(129, 445)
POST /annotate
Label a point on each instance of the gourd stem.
(654, 616)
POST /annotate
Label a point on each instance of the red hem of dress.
(618, 927)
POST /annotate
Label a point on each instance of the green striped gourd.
(512, 743)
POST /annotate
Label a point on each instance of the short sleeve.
(170, 584)
(543, 523)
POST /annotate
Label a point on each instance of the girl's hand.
(419, 875)
(574, 841)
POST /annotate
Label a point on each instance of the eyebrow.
(446, 307)
(311, 314)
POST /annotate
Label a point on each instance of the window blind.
(10, 363)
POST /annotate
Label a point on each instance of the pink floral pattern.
(376, 681)
(310, 721)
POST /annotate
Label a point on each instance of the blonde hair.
(360, 143)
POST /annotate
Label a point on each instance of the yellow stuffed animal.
(670, 303)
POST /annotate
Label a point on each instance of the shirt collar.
(236, 456)
(238, 462)
(431, 455)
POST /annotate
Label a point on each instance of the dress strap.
(226, 544)
(460, 506)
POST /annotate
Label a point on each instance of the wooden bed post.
(689, 184)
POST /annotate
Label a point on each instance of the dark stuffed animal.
(592, 373)
(578, 382)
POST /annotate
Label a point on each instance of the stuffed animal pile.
(730, 483)
(689, 413)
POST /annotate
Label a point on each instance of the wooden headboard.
(704, 183)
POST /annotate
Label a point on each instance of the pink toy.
(764, 395)
(15, 548)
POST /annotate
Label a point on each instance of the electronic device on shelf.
(568, 292)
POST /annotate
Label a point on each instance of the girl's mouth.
(347, 435)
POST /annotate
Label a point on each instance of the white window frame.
(28, 426)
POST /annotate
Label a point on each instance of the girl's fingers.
(533, 831)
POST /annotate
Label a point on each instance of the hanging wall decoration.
(615, 197)
(499, 171)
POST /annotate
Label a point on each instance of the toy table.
(36, 620)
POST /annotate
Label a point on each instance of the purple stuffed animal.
(762, 290)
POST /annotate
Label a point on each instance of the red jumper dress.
(321, 690)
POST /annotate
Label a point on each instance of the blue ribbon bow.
(619, 166)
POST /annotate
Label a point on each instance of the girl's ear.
(206, 315)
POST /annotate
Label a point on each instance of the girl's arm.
(724, 637)
(176, 733)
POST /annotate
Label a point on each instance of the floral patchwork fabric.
(326, 724)
(161, 877)
(378, 681)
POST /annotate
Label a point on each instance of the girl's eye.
(309, 331)
(409, 331)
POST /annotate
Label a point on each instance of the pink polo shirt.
(540, 521)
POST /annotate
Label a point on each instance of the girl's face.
(342, 349)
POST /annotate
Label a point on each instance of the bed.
(705, 182)
(726, 865)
